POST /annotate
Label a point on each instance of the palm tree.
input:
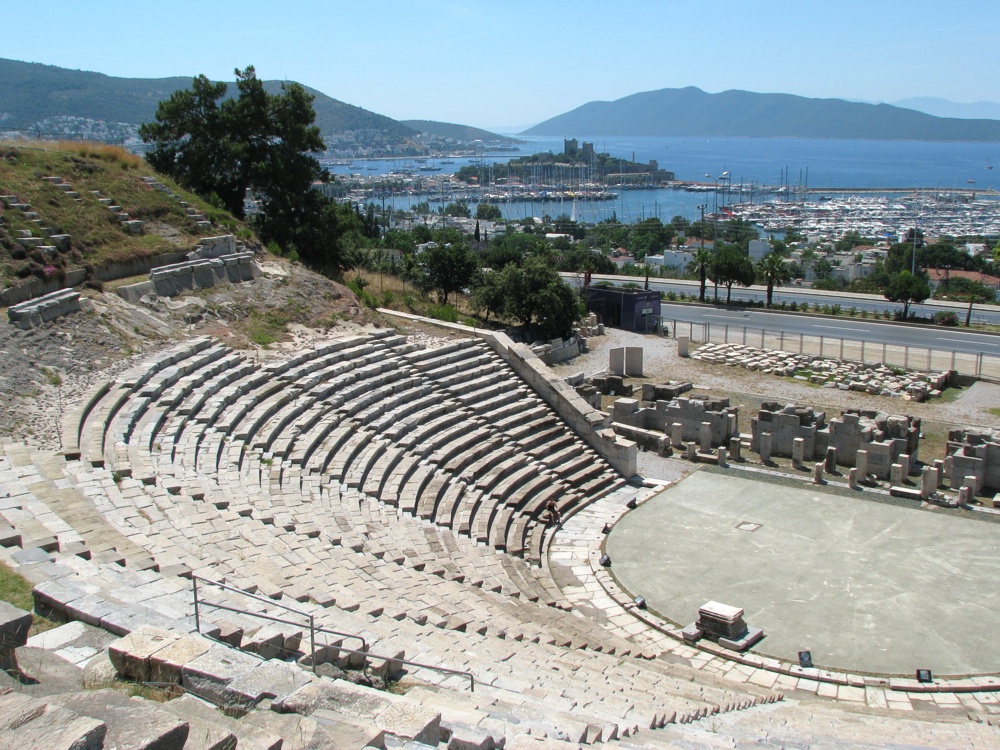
(771, 270)
(701, 261)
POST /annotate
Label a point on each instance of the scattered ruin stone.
(973, 452)
(878, 380)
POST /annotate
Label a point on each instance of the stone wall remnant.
(703, 420)
(973, 452)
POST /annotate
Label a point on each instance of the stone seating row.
(148, 512)
(242, 575)
(32, 313)
(617, 715)
(464, 720)
(281, 408)
(271, 472)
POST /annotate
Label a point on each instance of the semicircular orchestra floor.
(866, 586)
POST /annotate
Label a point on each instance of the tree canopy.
(450, 268)
(257, 144)
(730, 265)
(907, 288)
(772, 271)
(531, 294)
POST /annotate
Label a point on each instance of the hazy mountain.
(943, 108)
(693, 112)
(32, 92)
(464, 133)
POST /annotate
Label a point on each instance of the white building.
(671, 259)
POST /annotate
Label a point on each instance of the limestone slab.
(26, 722)
(363, 706)
(131, 653)
(165, 664)
(131, 722)
(209, 675)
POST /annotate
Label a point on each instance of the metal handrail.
(313, 628)
(271, 603)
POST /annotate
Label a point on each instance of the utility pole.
(702, 208)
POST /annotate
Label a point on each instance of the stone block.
(735, 448)
(26, 722)
(705, 437)
(798, 452)
(209, 675)
(130, 723)
(131, 654)
(633, 361)
(683, 346)
(896, 474)
(929, 481)
(362, 706)
(818, 473)
(14, 626)
(208, 732)
(861, 463)
(830, 465)
(274, 680)
(692, 633)
(99, 671)
(765, 447)
(166, 664)
(616, 361)
(465, 737)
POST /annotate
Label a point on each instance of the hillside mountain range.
(31, 93)
(932, 105)
(693, 112)
(465, 133)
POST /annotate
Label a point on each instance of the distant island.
(693, 112)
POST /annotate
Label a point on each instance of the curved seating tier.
(448, 434)
(397, 581)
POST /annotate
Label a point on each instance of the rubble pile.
(878, 380)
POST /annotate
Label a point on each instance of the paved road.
(856, 329)
(868, 302)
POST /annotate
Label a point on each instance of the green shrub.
(447, 313)
(945, 318)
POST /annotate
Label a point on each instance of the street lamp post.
(701, 232)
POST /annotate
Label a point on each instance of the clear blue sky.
(506, 64)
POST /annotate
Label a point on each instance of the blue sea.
(816, 164)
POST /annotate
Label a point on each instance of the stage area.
(866, 586)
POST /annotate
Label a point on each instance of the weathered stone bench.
(34, 312)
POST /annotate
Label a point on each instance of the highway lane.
(870, 303)
(869, 331)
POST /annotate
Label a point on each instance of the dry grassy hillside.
(96, 235)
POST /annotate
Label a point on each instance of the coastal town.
(326, 430)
